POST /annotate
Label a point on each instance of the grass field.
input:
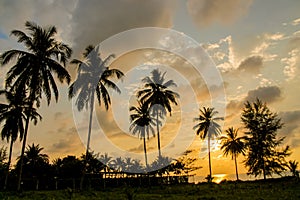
(272, 189)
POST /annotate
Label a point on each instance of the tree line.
(31, 77)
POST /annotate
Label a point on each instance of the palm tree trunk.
(264, 169)
(158, 138)
(88, 140)
(209, 161)
(236, 168)
(8, 163)
(145, 151)
(23, 151)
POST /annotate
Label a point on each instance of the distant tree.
(135, 166)
(36, 164)
(105, 160)
(234, 145)
(93, 164)
(157, 91)
(142, 124)
(263, 156)
(293, 165)
(34, 68)
(161, 165)
(118, 164)
(68, 167)
(207, 127)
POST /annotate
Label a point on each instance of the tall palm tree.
(234, 145)
(33, 69)
(13, 116)
(142, 124)
(156, 92)
(207, 127)
(93, 76)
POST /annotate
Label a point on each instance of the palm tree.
(35, 162)
(142, 124)
(13, 116)
(93, 76)
(207, 127)
(33, 70)
(293, 165)
(234, 145)
(156, 91)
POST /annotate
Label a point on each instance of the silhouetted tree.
(142, 124)
(35, 163)
(156, 92)
(13, 115)
(207, 127)
(263, 156)
(234, 145)
(93, 164)
(293, 165)
(33, 70)
(93, 77)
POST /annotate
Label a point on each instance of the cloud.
(81, 23)
(268, 94)
(207, 12)
(296, 22)
(291, 62)
(97, 20)
(291, 128)
(252, 64)
(294, 42)
(58, 13)
(69, 144)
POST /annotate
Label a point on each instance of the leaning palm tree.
(33, 69)
(13, 116)
(142, 124)
(207, 127)
(93, 77)
(156, 92)
(234, 145)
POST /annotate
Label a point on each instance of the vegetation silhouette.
(292, 166)
(32, 72)
(142, 124)
(234, 145)
(35, 163)
(12, 116)
(157, 94)
(263, 156)
(93, 76)
(207, 127)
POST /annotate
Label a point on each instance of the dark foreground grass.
(274, 189)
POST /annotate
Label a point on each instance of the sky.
(244, 48)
